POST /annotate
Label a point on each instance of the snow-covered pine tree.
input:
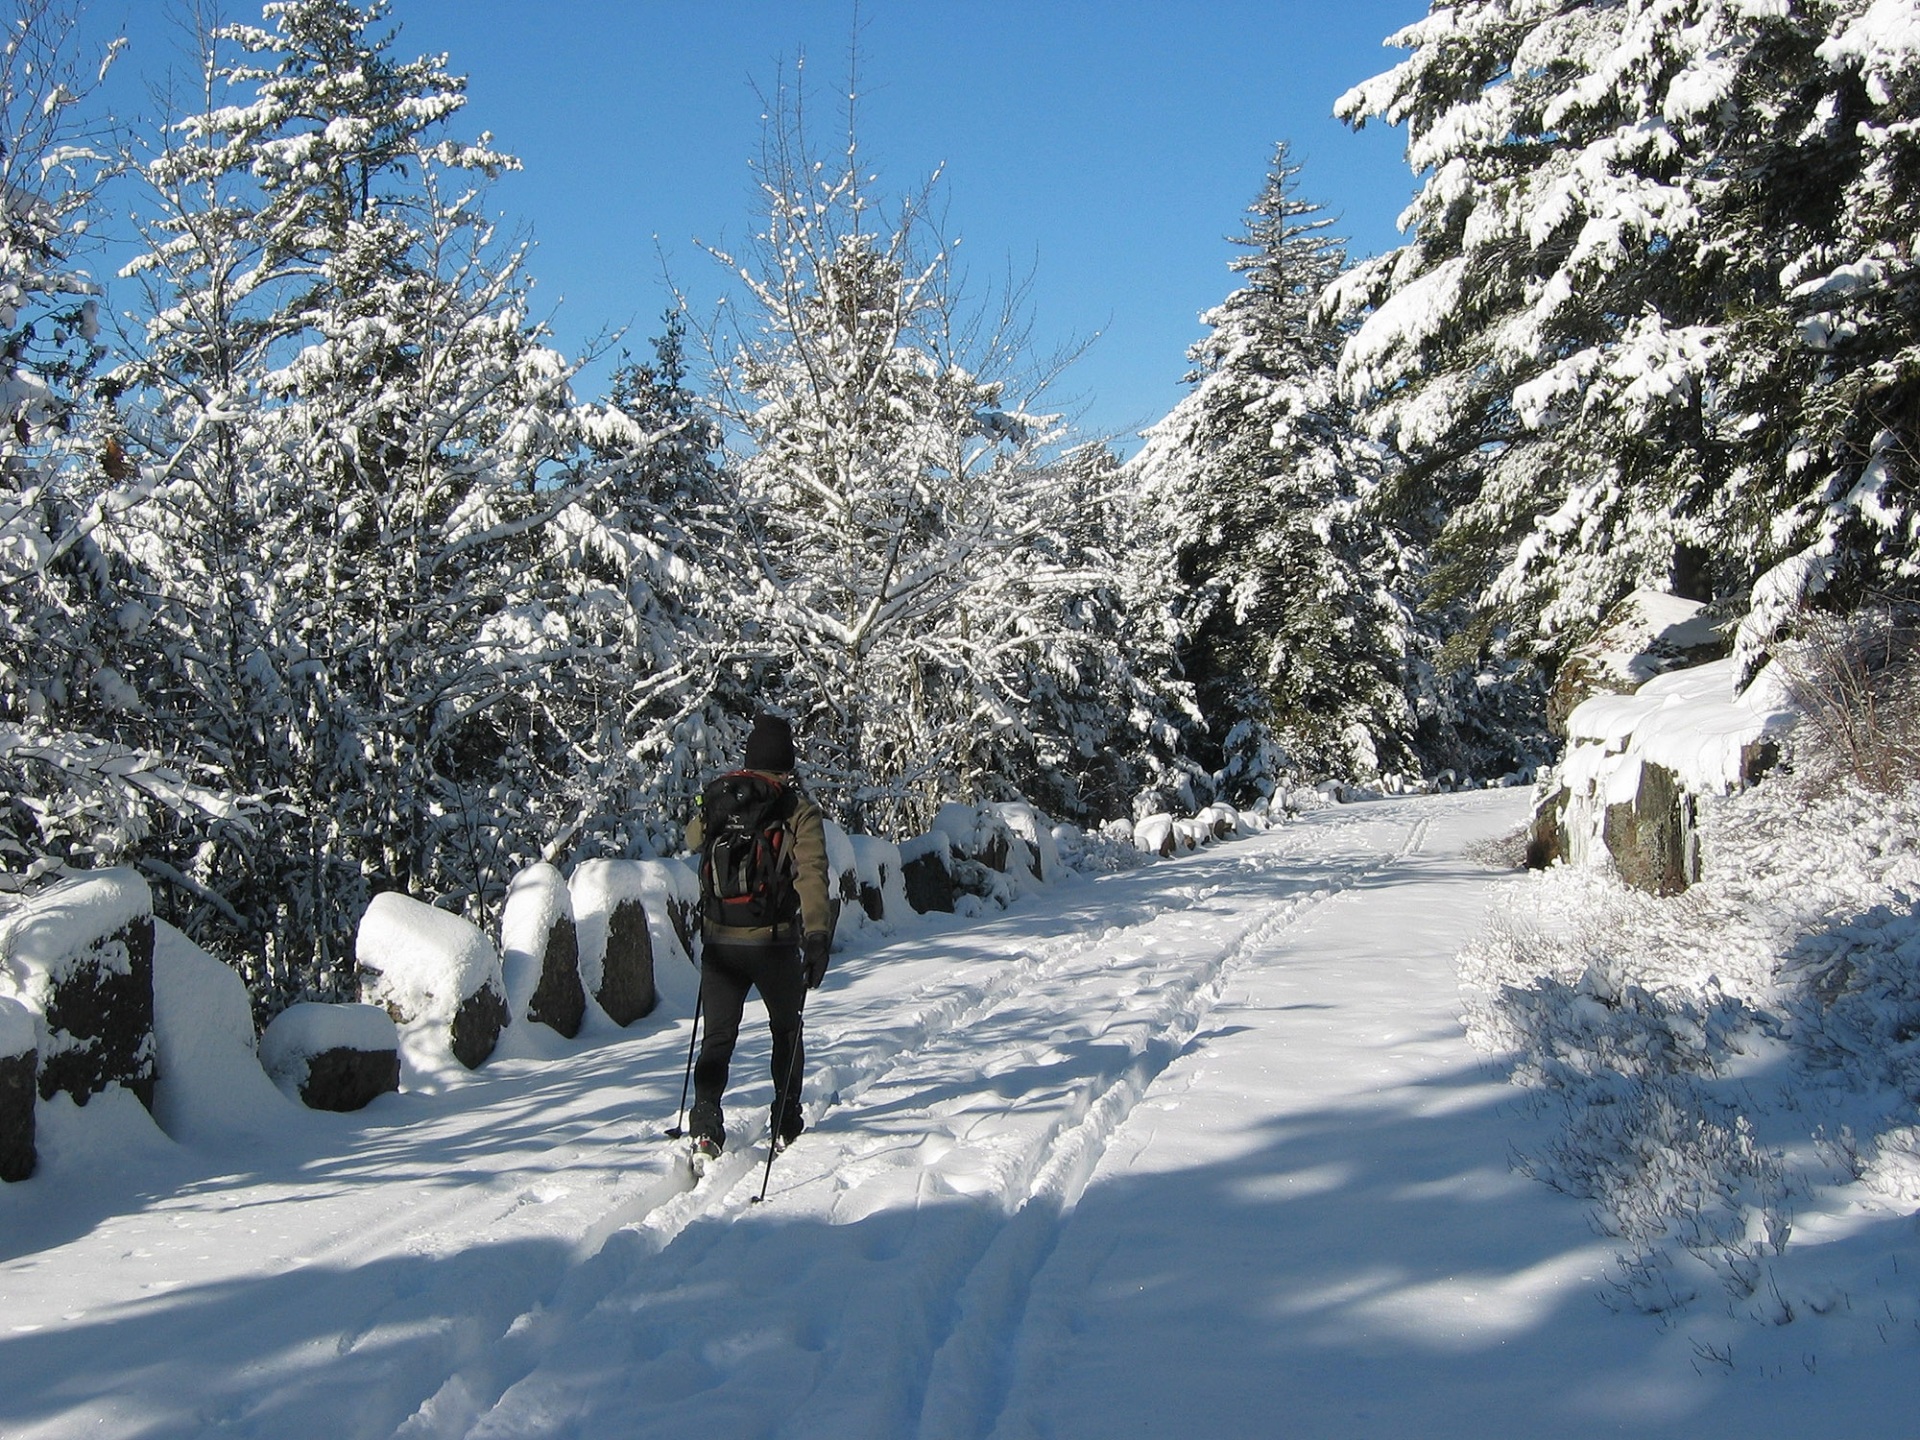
(1293, 635)
(1843, 496)
(883, 456)
(640, 586)
(1103, 707)
(362, 445)
(1609, 346)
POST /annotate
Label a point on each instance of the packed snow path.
(1193, 1149)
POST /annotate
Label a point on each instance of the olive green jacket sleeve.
(810, 867)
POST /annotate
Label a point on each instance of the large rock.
(333, 1057)
(881, 876)
(540, 951)
(1646, 634)
(211, 1086)
(843, 873)
(1156, 835)
(988, 859)
(1625, 793)
(1651, 837)
(435, 973)
(1546, 839)
(616, 943)
(926, 868)
(982, 833)
(80, 957)
(1034, 830)
(19, 1056)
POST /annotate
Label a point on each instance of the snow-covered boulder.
(80, 957)
(881, 875)
(843, 876)
(1037, 831)
(19, 1055)
(1154, 835)
(610, 906)
(210, 1083)
(436, 974)
(670, 891)
(1221, 822)
(540, 951)
(926, 870)
(1625, 791)
(980, 834)
(1646, 634)
(333, 1057)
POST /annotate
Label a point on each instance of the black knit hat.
(770, 746)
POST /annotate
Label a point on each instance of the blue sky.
(1109, 146)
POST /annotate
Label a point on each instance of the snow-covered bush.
(1641, 1022)
(1856, 681)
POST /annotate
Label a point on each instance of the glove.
(814, 951)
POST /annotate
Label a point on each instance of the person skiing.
(766, 923)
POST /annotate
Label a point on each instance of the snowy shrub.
(1858, 982)
(1857, 681)
(1639, 1021)
(1097, 852)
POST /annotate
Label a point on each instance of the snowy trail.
(972, 1133)
(1195, 1148)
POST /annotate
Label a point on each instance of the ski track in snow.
(954, 1121)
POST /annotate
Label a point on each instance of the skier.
(766, 924)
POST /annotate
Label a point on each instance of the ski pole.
(780, 1106)
(678, 1130)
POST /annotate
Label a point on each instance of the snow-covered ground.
(1194, 1149)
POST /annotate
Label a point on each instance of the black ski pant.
(727, 972)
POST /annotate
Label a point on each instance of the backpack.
(746, 854)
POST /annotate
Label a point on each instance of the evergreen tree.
(1104, 708)
(363, 450)
(1293, 634)
(1641, 334)
(643, 588)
